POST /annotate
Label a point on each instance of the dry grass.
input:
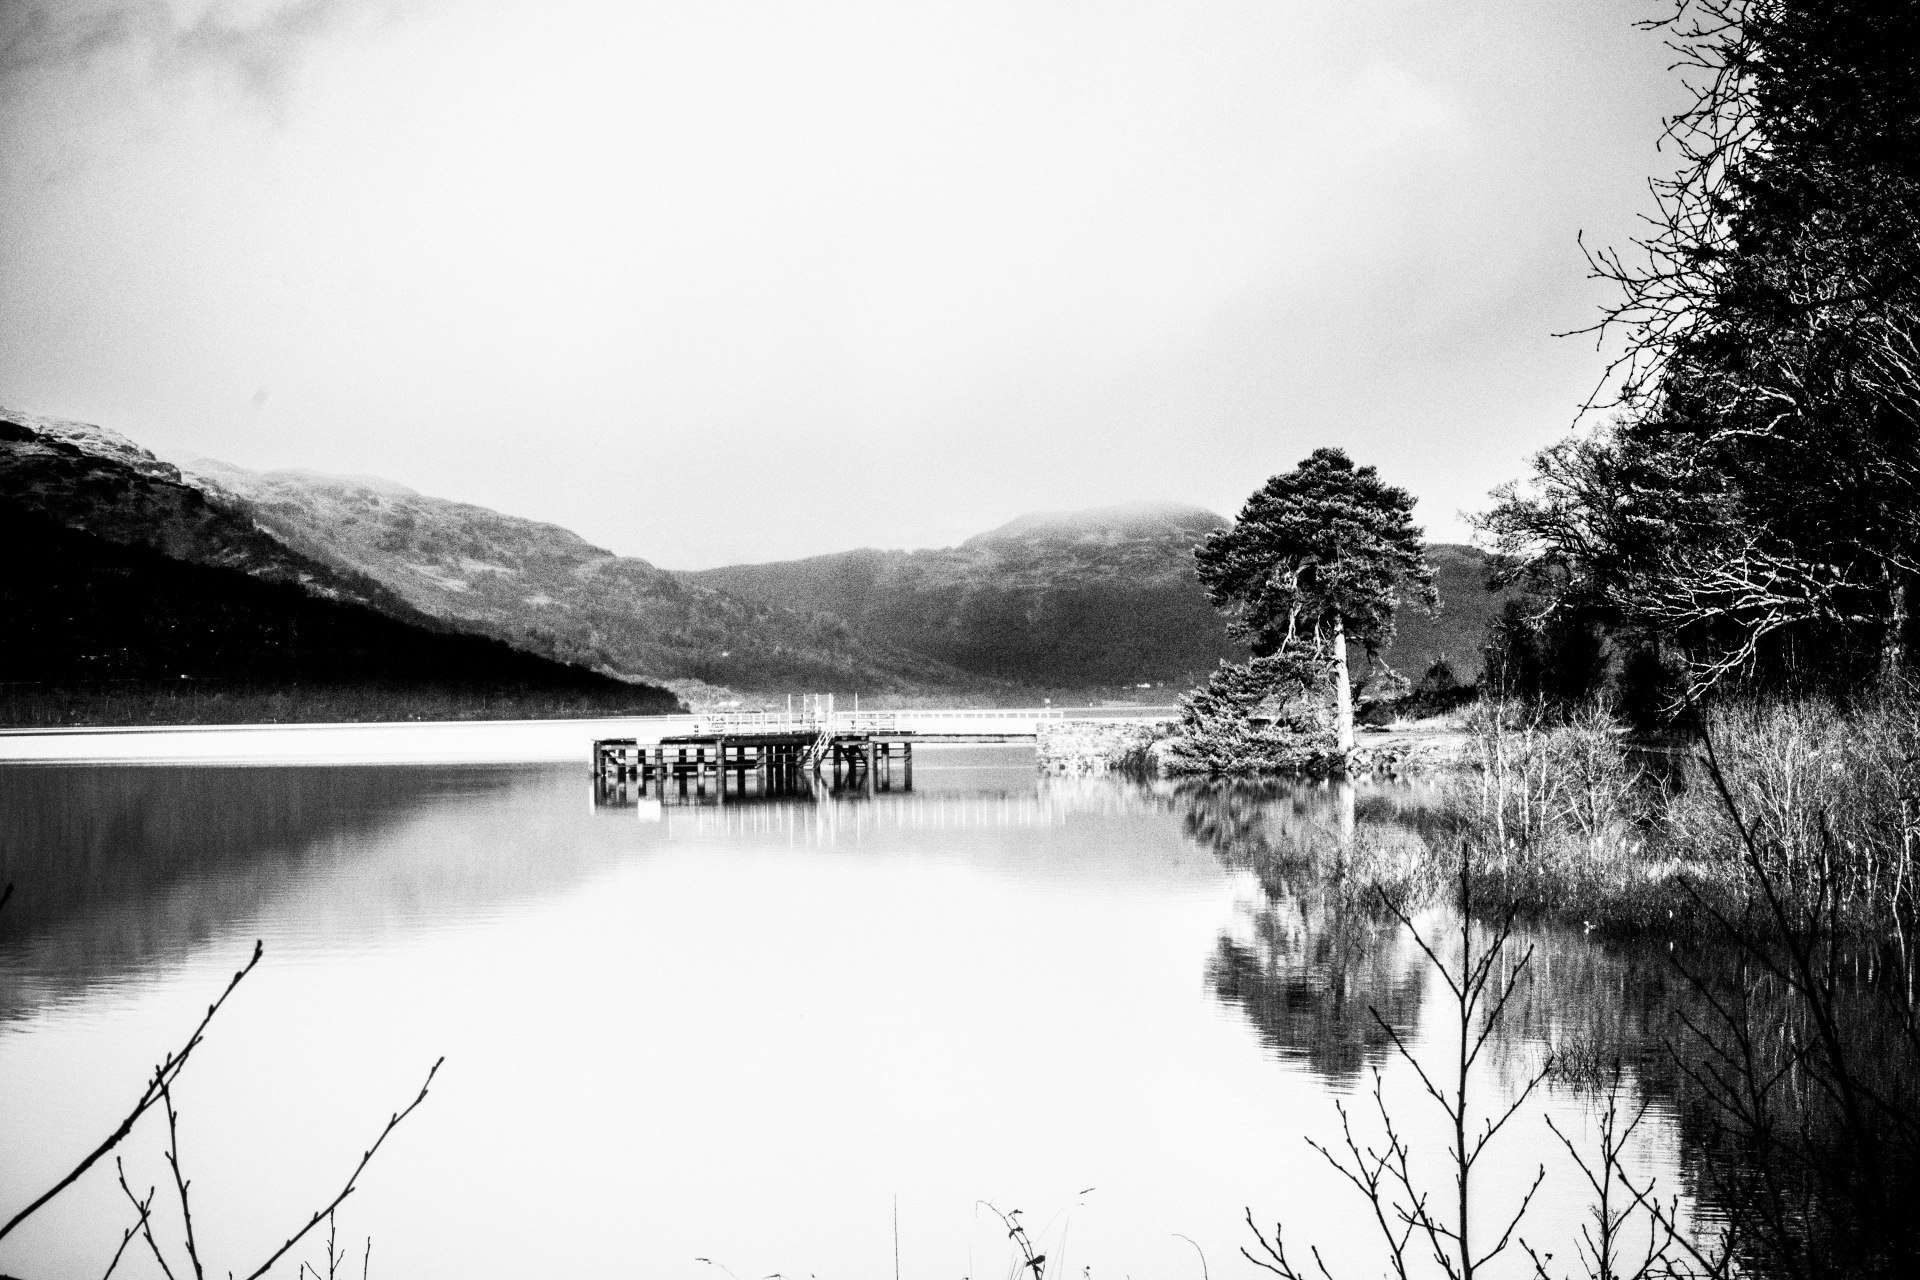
(1569, 819)
(1828, 792)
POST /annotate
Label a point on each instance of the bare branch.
(163, 1075)
(179, 1181)
(393, 1122)
(145, 1224)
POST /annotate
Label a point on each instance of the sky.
(715, 281)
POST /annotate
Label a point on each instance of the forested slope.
(547, 589)
(1054, 600)
(125, 584)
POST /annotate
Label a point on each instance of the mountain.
(1070, 600)
(92, 479)
(125, 580)
(1459, 632)
(1075, 603)
(546, 589)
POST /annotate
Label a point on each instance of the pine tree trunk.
(1342, 691)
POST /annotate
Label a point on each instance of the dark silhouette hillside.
(129, 594)
(86, 615)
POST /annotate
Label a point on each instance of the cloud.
(259, 46)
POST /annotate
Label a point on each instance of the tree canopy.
(1760, 486)
(1326, 542)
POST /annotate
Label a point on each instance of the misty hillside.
(89, 478)
(1459, 632)
(125, 579)
(547, 589)
(1054, 600)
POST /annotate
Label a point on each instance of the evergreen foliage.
(1325, 542)
(1758, 496)
(1560, 659)
(1271, 714)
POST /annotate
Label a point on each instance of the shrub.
(1270, 714)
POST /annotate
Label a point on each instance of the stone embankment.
(1097, 746)
(1409, 752)
(1101, 746)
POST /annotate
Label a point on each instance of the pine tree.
(1314, 563)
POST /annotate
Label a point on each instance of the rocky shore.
(1393, 752)
(1100, 746)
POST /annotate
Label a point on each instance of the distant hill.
(92, 479)
(125, 579)
(548, 590)
(1085, 600)
(1459, 632)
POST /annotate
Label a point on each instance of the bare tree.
(1762, 478)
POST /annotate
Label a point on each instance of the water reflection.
(1746, 1077)
(1311, 977)
(989, 966)
(805, 1005)
(625, 790)
(1309, 958)
(116, 869)
(1316, 972)
(119, 871)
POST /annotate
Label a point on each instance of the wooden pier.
(766, 762)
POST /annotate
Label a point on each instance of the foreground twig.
(145, 1209)
(1017, 1232)
(179, 1181)
(321, 1215)
(1401, 1209)
(163, 1076)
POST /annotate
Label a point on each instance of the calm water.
(742, 1035)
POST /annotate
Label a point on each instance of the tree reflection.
(118, 868)
(1308, 963)
(1786, 1069)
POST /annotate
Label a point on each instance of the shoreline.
(1090, 746)
(514, 741)
(338, 742)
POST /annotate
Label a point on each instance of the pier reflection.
(648, 792)
(810, 810)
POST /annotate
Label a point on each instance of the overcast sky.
(722, 280)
